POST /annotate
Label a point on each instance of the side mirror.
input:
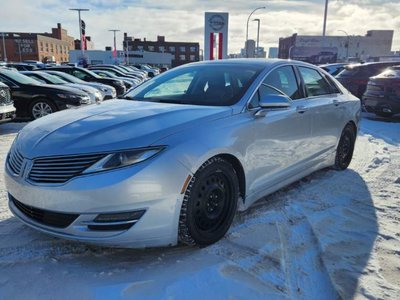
(272, 101)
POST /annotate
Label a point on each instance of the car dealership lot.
(332, 234)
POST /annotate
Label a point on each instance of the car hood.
(111, 125)
(82, 87)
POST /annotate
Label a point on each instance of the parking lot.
(339, 229)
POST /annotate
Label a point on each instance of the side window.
(315, 84)
(7, 82)
(284, 80)
(79, 74)
(262, 91)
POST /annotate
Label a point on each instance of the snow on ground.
(331, 235)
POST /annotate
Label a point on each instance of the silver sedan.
(176, 159)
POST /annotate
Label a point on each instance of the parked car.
(87, 75)
(175, 163)
(116, 70)
(7, 109)
(382, 96)
(355, 77)
(94, 94)
(108, 91)
(22, 66)
(129, 82)
(132, 70)
(150, 71)
(35, 100)
(334, 69)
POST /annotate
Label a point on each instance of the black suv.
(89, 76)
(7, 109)
(355, 77)
(34, 100)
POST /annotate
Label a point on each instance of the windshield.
(68, 78)
(53, 79)
(20, 78)
(214, 84)
(349, 72)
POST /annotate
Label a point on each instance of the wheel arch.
(237, 166)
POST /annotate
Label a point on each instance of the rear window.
(390, 73)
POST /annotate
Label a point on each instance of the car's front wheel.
(345, 148)
(41, 108)
(209, 203)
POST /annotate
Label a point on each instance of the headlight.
(67, 96)
(123, 159)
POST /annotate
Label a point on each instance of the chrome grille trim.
(15, 161)
(5, 96)
(60, 169)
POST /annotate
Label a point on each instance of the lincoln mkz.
(175, 159)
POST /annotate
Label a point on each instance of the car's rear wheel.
(41, 108)
(345, 148)
(209, 203)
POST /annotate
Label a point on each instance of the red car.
(355, 77)
(382, 96)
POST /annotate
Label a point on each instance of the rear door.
(325, 104)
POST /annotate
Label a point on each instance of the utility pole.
(4, 49)
(325, 17)
(258, 36)
(80, 26)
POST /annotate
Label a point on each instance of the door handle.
(301, 109)
(335, 102)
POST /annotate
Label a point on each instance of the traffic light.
(83, 27)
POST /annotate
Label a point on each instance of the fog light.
(119, 217)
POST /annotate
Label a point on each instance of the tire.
(209, 203)
(41, 108)
(345, 148)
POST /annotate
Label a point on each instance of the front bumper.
(7, 112)
(147, 187)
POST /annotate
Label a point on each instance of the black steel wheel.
(209, 203)
(345, 148)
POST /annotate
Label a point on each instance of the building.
(95, 57)
(43, 47)
(319, 49)
(182, 52)
(250, 48)
(273, 52)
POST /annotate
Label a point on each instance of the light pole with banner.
(247, 27)
(115, 43)
(80, 27)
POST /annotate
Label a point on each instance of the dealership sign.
(215, 35)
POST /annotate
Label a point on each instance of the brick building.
(183, 52)
(22, 46)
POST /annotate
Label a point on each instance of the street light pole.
(80, 24)
(4, 49)
(258, 36)
(247, 27)
(348, 43)
(325, 17)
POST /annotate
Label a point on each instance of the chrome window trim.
(246, 107)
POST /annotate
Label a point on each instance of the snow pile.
(331, 235)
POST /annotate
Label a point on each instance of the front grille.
(15, 161)
(5, 97)
(61, 169)
(46, 217)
